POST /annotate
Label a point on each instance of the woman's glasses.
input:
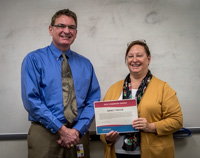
(141, 40)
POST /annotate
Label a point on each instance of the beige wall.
(170, 27)
(184, 148)
(188, 147)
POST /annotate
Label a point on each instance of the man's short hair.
(66, 12)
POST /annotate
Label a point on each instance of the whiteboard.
(170, 27)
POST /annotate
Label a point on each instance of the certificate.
(116, 115)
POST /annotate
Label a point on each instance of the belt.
(70, 125)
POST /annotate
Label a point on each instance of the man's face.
(63, 32)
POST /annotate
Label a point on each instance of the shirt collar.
(57, 53)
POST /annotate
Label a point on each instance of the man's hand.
(68, 137)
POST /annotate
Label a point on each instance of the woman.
(159, 111)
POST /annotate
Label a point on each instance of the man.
(51, 134)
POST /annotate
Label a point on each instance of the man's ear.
(50, 30)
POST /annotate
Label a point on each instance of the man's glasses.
(63, 26)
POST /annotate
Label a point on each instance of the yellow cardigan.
(159, 104)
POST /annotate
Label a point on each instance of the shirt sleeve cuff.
(54, 126)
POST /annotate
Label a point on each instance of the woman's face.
(137, 60)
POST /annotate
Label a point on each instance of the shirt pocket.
(82, 86)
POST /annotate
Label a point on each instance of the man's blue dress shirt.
(41, 84)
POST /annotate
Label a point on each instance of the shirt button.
(51, 130)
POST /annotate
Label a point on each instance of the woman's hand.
(142, 124)
(112, 136)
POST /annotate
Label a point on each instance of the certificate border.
(125, 128)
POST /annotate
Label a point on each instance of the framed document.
(116, 115)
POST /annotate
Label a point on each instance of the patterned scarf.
(132, 140)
